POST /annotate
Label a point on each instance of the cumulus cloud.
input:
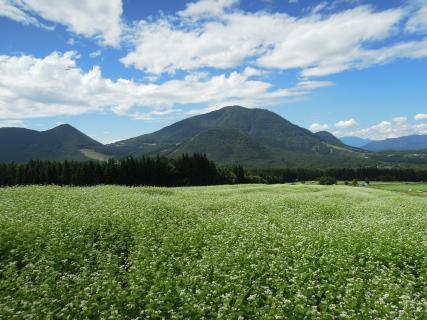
(421, 116)
(94, 18)
(316, 127)
(397, 127)
(350, 123)
(317, 44)
(55, 85)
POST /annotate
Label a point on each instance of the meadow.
(221, 252)
(412, 188)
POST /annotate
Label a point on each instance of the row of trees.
(343, 174)
(159, 171)
(186, 170)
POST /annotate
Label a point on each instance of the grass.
(226, 252)
(419, 189)
(92, 154)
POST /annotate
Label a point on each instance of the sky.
(116, 69)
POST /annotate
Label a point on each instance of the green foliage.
(193, 170)
(252, 252)
(354, 182)
(327, 180)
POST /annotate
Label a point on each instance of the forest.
(187, 170)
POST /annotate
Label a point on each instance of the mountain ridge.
(405, 143)
(233, 134)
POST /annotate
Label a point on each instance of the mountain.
(251, 137)
(248, 136)
(414, 142)
(266, 126)
(355, 141)
(63, 142)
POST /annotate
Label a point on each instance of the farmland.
(418, 189)
(226, 252)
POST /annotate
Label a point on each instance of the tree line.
(187, 170)
(194, 170)
(281, 175)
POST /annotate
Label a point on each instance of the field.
(226, 252)
(419, 189)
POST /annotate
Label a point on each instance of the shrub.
(354, 183)
(255, 179)
(327, 180)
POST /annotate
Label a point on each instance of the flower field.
(223, 252)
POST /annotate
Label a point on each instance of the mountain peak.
(64, 126)
(63, 142)
(259, 135)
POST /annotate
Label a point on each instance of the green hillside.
(60, 143)
(329, 138)
(230, 146)
(253, 137)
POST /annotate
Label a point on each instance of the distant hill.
(413, 142)
(355, 141)
(329, 137)
(60, 143)
(248, 136)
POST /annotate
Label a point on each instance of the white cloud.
(343, 124)
(418, 22)
(55, 85)
(317, 44)
(421, 116)
(330, 43)
(71, 41)
(160, 47)
(368, 58)
(94, 18)
(95, 54)
(320, 7)
(394, 128)
(252, 72)
(316, 127)
(12, 123)
(152, 115)
(207, 7)
(7, 9)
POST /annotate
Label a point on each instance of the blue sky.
(117, 69)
